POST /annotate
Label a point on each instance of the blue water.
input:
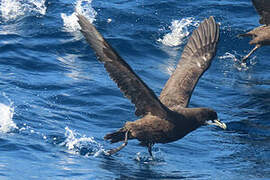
(57, 101)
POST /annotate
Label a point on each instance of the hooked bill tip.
(218, 123)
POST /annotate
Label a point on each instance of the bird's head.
(202, 117)
(207, 116)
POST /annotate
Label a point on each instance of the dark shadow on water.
(122, 165)
(126, 170)
(142, 166)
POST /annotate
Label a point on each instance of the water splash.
(86, 146)
(236, 58)
(179, 30)
(13, 9)
(145, 158)
(10, 9)
(230, 56)
(82, 7)
(6, 115)
(38, 6)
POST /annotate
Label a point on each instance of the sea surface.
(57, 102)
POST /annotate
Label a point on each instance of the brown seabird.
(260, 35)
(164, 119)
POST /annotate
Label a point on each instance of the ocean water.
(57, 101)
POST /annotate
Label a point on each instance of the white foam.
(38, 6)
(75, 144)
(109, 20)
(10, 9)
(70, 22)
(179, 30)
(82, 7)
(6, 115)
(13, 9)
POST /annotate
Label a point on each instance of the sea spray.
(236, 58)
(6, 115)
(77, 144)
(13, 9)
(179, 30)
(83, 7)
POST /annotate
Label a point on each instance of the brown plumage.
(260, 35)
(166, 119)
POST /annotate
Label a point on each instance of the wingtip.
(203, 40)
(80, 18)
(86, 25)
(212, 19)
(212, 26)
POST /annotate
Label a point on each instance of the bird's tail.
(116, 136)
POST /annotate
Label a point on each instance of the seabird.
(260, 35)
(165, 119)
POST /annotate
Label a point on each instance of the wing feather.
(129, 83)
(195, 60)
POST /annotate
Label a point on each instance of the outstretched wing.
(129, 83)
(196, 59)
(263, 9)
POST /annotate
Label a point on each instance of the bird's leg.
(115, 150)
(252, 51)
(150, 149)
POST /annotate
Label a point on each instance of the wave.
(13, 9)
(179, 30)
(83, 7)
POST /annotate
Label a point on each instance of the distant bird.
(260, 35)
(166, 119)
